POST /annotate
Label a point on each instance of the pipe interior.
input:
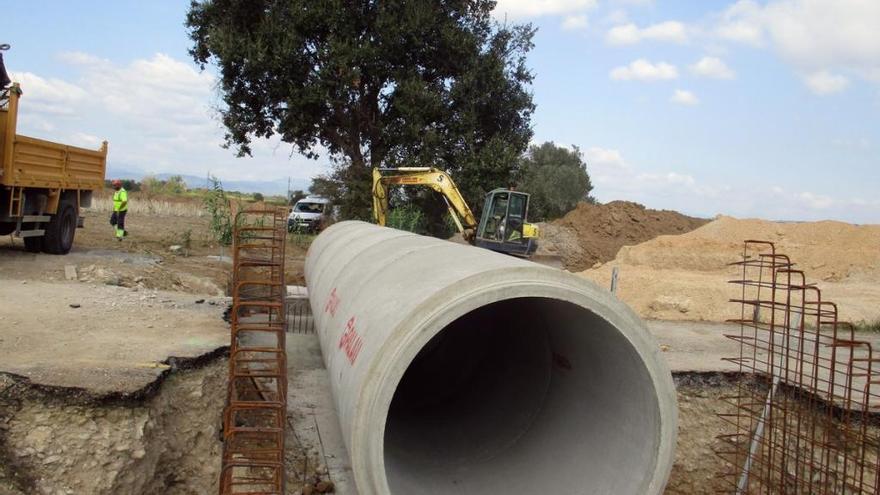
(528, 395)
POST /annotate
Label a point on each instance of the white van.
(309, 214)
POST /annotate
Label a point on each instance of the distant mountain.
(269, 187)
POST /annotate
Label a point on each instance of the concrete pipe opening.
(457, 370)
(526, 395)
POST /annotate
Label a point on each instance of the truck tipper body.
(43, 184)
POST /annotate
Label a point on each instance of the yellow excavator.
(503, 226)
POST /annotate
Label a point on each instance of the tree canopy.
(557, 179)
(370, 83)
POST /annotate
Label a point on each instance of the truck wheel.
(7, 228)
(61, 229)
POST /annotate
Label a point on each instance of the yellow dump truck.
(43, 184)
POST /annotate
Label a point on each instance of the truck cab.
(309, 214)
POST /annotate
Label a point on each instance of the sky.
(766, 109)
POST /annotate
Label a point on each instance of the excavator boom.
(423, 176)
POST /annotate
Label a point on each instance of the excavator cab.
(503, 226)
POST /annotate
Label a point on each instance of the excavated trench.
(164, 439)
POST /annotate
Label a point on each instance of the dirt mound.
(684, 277)
(592, 234)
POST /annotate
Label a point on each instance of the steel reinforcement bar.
(804, 418)
(256, 403)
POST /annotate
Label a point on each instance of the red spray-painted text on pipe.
(332, 303)
(351, 342)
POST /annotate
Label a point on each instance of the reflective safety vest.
(119, 197)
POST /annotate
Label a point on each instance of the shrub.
(407, 217)
(220, 209)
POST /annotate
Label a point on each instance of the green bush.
(220, 210)
(408, 218)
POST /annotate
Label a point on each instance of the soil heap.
(684, 277)
(594, 233)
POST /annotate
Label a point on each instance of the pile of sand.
(684, 277)
(592, 234)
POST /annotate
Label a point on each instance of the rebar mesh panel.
(803, 418)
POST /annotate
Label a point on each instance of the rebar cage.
(804, 417)
(256, 404)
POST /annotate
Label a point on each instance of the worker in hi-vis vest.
(120, 208)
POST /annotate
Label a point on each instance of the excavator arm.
(423, 176)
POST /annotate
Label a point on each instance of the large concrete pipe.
(456, 370)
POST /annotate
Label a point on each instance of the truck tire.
(61, 229)
(7, 228)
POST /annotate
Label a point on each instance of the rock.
(39, 438)
(199, 301)
(671, 303)
(325, 487)
(175, 248)
(74, 305)
(308, 490)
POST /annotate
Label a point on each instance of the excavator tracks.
(255, 415)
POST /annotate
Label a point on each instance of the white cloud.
(615, 17)
(683, 97)
(628, 34)
(84, 140)
(669, 178)
(712, 67)
(824, 83)
(517, 9)
(81, 58)
(48, 96)
(643, 70)
(741, 23)
(605, 157)
(812, 35)
(815, 201)
(575, 23)
(156, 114)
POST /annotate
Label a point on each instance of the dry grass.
(869, 325)
(152, 206)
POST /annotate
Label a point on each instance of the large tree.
(557, 179)
(370, 83)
